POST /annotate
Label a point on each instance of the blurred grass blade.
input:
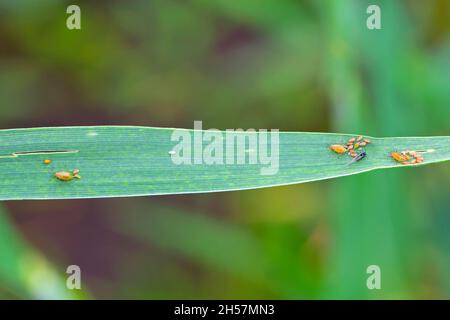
(117, 161)
(270, 261)
(211, 242)
(24, 272)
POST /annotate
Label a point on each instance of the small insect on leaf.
(67, 176)
(358, 157)
(399, 157)
(338, 148)
(64, 175)
(47, 161)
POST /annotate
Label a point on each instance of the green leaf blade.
(121, 161)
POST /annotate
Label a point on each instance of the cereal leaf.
(122, 161)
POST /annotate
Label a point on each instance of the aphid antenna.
(426, 151)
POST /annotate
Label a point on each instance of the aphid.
(350, 147)
(359, 138)
(359, 157)
(47, 161)
(400, 157)
(357, 145)
(338, 148)
(362, 144)
(351, 140)
(367, 141)
(67, 176)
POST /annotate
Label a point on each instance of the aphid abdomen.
(64, 175)
(400, 157)
(338, 148)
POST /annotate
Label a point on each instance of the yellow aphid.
(338, 148)
(47, 161)
(400, 157)
(67, 176)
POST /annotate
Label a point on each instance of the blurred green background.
(291, 65)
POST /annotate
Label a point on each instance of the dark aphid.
(359, 157)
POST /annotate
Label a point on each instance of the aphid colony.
(352, 147)
(408, 157)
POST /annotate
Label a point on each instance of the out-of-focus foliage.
(292, 65)
(24, 273)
